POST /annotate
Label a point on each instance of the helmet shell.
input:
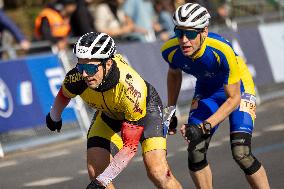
(191, 15)
(94, 45)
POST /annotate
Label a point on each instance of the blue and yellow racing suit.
(215, 65)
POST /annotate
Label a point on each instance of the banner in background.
(27, 90)
(272, 36)
(248, 44)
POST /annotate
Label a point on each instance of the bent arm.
(174, 83)
(60, 102)
(233, 101)
(124, 29)
(130, 135)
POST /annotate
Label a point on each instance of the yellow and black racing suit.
(124, 96)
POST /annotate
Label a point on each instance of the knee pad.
(197, 156)
(241, 151)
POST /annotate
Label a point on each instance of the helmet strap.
(201, 38)
(104, 72)
(111, 78)
(201, 42)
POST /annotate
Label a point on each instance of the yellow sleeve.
(73, 83)
(228, 60)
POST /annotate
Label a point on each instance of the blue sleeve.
(7, 23)
(165, 55)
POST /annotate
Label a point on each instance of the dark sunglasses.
(190, 34)
(90, 69)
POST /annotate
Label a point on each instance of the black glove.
(53, 125)
(173, 124)
(194, 134)
(95, 185)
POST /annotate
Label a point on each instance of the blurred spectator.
(53, 23)
(82, 20)
(142, 14)
(164, 11)
(223, 11)
(218, 10)
(7, 24)
(1, 4)
(177, 3)
(111, 19)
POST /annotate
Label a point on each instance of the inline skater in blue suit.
(224, 88)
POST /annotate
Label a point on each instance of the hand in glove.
(53, 125)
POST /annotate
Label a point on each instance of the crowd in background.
(124, 20)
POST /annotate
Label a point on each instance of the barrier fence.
(28, 85)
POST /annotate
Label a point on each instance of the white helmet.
(95, 45)
(191, 15)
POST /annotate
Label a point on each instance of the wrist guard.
(194, 134)
(53, 125)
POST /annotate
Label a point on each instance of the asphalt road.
(62, 165)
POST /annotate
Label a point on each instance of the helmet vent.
(195, 9)
(95, 49)
(95, 45)
(87, 40)
(199, 16)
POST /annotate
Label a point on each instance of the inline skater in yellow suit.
(125, 103)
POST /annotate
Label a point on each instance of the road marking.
(261, 109)
(225, 139)
(269, 148)
(48, 181)
(1, 151)
(53, 154)
(215, 144)
(182, 149)
(274, 128)
(83, 172)
(8, 163)
(138, 159)
(256, 134)
(170, 155)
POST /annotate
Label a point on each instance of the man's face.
(92, 71)
(190, 40)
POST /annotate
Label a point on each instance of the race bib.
(248, 104)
